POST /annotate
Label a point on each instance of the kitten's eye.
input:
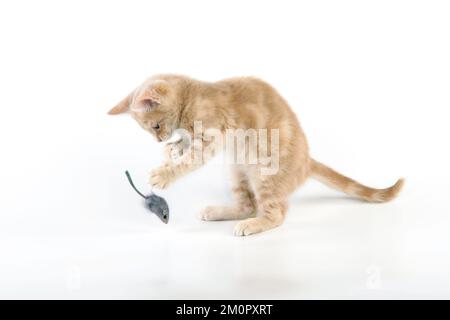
(156, 126)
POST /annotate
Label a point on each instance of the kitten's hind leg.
(216, 213)
(244, 207)
(271, 197)
(273, 216)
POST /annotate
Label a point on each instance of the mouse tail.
(132, 184)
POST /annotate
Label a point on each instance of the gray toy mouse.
(155, 203)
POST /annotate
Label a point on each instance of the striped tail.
(351, 187)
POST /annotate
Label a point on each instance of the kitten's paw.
(212, 213)
(161, 177)
(249, 226)
(175, 151)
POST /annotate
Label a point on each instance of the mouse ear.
(150, 96)
(122, 106)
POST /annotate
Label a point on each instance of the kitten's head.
(155, 106)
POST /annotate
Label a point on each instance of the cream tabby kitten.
(165, 103)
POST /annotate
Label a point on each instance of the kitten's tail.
(349, 186)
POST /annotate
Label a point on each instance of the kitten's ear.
(150, 96)
(147, 98)
(122, 106)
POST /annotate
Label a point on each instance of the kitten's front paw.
(161, 177)
(174, 151)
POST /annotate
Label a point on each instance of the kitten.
(165, 103)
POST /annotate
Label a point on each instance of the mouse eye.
(156, 126)
(165, 216)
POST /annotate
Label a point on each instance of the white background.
(369, 81)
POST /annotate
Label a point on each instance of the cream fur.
(165, 103)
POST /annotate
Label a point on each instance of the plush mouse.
(155, 203)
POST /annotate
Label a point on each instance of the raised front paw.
(175, 151)
(161, 177)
